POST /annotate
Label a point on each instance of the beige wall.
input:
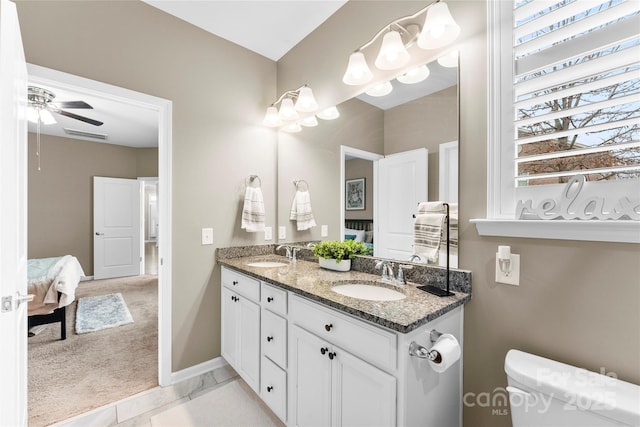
(578, 302)
(60, 195)
(424, 123)
(218, 91)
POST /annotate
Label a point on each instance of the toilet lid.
(586, 390)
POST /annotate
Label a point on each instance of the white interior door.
(116, 227)
(13, 220)
(401, 185)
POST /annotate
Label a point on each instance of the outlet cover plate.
(268, 233)
(207, 236)
(514, 274)
(324, 231)
(282, 232)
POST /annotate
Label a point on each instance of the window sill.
(589, 230)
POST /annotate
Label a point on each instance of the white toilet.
(546, 393)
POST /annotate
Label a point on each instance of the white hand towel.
(253, 210)
(427, 235)
(301, 211)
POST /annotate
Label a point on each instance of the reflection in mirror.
(418, 119)
(421, 119)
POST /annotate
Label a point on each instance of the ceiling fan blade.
(77, 117)
(72, 104)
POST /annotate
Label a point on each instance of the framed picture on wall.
(355, 194)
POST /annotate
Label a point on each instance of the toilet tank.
(543, 392)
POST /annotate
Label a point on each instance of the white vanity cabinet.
(273, 332)
(241, 325)
(332, 385)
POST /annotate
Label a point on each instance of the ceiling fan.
(42, 103)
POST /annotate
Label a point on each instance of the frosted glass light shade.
(310, 121)
(292, 128)
(271, 118)
(46, 118)
(287, 110)
(414, 75)
(330, 113)
(381, 89)
(449, 60)
(439, 28)
(32, 115)
(393, 54)
(358, 72)
(306, 103)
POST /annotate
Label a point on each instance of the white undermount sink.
(368, 292)
(267, 264)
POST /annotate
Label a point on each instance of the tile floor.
(136, 411)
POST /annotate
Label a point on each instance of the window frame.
(501, 193)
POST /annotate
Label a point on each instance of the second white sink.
(368, 292)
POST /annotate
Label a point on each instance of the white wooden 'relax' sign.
(571, 206)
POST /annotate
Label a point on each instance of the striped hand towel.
(428, 230)
(253, 210)
(301, 211)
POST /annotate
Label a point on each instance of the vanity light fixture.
(449, 60)
(330, 113)
(439, 29)
(291, 102)
(380, 89)
(310, 121)
(292, 127)
(414, 75)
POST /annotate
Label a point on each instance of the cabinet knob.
(323, 350)
(234, 298)
(269, 388)
(332, 355)
(328, 327)
(269, 299)
(269, 339)
(235, 282)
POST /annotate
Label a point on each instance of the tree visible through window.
(576, 90)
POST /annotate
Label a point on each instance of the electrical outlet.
(207, 236)
(282, 232)
(513, 278)
(324, 231)
(268, 233)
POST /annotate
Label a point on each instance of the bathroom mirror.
(414, 116)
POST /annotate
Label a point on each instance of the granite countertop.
(309, 280)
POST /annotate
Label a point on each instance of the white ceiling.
(267, 27)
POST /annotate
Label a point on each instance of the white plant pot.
(331, 264)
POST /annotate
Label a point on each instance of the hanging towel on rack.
(253, 210)
(301, 211)
(428, 230)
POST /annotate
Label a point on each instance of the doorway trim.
(350, 152)
(163, 107)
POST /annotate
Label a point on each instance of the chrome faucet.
(387, 272)
(291, 252)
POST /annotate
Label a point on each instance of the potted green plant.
(337, 255)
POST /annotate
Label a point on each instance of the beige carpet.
(232, 404)
(69, 377)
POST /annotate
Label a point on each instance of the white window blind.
(576, 90)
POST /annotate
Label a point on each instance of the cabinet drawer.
(243, 285)
(274, 299)
(368, 342)
(274, 388)
(274, 337)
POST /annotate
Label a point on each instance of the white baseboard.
(199, 369)
(86, 278)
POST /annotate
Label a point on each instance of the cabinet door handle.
(269, 388)
(269, 299)
(235, 282)
(323, 350)
(269, 339)
(332, 355)
(234, 298)
(328, 327)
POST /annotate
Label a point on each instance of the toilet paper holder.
(422, 352)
